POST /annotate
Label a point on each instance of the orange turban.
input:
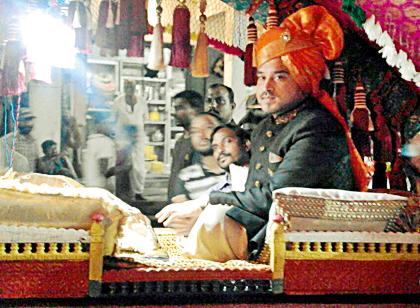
(303, 41)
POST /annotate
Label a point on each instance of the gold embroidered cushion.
(59, 202)
(336, 210)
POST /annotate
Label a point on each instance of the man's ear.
(233, 105)
(248, 145)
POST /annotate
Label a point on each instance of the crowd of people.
(223, 173)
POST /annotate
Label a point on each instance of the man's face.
(183, 112)
(226, 148)
(129, 88)
(218, 102)
(275, 87)
(200, 132)
(51, 151)
(25, 127)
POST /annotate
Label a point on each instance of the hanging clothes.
(132, 26)
(78, 19)
(106, 31)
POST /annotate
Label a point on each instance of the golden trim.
(349, 210)
(40, 251)
(351, 251)
(318, 256)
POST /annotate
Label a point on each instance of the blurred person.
(53, 163)
(130, 110)
(254, 114)
(187, 105)
(193, 180)
(25, 144)
(123, 169)
(100, 154)
(71, 141)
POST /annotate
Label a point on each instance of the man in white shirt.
(100, 156)
(130, 110)
(25, 145)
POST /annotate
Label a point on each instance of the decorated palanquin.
(83, 242)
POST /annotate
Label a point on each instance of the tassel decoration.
(272, 18)
(339, 94)
(156, 47)
(397, 179)
(110, 16)
(199, 65)
(360, 116)
(382, 146)
(362, 123)
(250, 72)
(181, 48)
(118, 13)
(76, 18)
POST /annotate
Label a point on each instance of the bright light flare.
(48, 40)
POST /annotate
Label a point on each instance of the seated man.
(231, 148)
(304, 142)
(193, 180)
(53, 163)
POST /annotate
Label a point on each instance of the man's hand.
(179, 216)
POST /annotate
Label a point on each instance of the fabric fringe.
(231, 50)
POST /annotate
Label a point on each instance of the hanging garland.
(232, 50)
(394, 58)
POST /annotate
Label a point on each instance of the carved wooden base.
(358, 277)
(44, 279)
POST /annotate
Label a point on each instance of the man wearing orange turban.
(305, 142)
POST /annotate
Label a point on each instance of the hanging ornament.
(272, 18)
(250, 72)
(362, 122)
(199, 65)
(117, 13)
(382, 138)
(339, 94)
(110, 16)
(156, 47)
(181, 48)
(360, 116)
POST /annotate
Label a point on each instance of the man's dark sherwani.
(303, 145)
